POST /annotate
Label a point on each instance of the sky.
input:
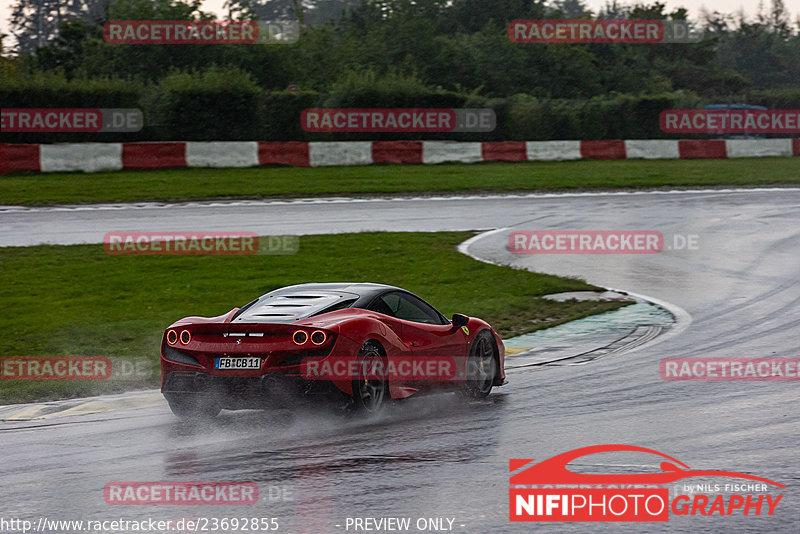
(725, 6)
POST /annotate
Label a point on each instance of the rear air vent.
(179, 356)
(288, 308)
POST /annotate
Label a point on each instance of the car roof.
(293, 303)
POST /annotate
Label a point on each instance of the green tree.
(36, 23)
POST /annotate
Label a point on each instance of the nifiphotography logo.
(549, 491)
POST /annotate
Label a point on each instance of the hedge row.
(228, 105)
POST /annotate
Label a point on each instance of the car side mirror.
(460, 320)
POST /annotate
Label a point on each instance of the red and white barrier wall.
(94, 157)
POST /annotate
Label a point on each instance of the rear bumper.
(246, 391)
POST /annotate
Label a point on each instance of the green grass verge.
(263, 182)
(79, 301)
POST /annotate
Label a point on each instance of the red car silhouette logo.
(554, 470)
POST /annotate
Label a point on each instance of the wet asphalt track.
(437, 457)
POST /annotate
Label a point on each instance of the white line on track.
(349, 200)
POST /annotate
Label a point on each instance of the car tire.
(192, 406)
(370, 395)
(482, 367)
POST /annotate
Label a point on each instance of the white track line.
(348, 200)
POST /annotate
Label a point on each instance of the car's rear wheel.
(370, 389)
(481, 367)
(193, 406)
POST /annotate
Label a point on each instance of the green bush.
(214, 104)
(281, 114)
(392, 90)
(48, 90)
(617, 117)
(788, 98)
(221, 103)
(54, 90)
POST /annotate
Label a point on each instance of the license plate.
(237, 363)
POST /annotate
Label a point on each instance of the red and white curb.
(97, 157)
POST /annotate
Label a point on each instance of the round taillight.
(299, 337)
(318, 337)
(172, 337)
(186, 337)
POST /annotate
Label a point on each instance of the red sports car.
(364, 343)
